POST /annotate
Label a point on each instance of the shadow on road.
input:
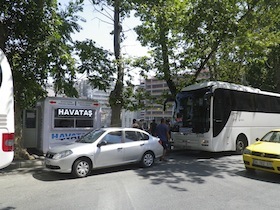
(261, 176)
(182, 166)
(46, 175)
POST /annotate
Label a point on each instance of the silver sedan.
(104, 147)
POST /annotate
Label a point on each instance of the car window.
(272, 137)
(143, 136)
(275, 137)
(114, 137)
(131, 136)
(91, 136)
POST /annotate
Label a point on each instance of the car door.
(111, 151)
(135, 145)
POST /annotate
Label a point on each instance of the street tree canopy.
(223, 37)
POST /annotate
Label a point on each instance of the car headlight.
(62, 154)
(247, 151)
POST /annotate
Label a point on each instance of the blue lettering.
(54, 135)
(66, 136)
(62, 136)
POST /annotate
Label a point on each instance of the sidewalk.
(18, 166)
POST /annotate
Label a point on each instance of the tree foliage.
(223, 36)
(37, 42)
(35, 35)
(96, 63)
(121, 9)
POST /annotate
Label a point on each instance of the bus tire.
(241, 144)
(81, 167)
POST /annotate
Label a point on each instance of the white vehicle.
(58, 120)
(105, 147)
(6, 113)
(220, 116)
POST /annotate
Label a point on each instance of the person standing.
(153, 127)
(134, 124)
(163, 134)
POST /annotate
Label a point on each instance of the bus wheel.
(241, 144)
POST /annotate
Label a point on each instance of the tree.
(121, 9)
(265, 74)
(224, 36)
(35, 35)
(96, 63)
(159, 31)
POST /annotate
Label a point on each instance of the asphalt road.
(189, 180)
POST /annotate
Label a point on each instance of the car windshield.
(273, 136)
(91, 136)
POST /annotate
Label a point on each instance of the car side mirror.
(257, 139)
(102, 143)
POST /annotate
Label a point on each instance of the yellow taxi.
(264, 154)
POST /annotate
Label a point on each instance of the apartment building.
(155, 111)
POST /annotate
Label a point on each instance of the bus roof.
(226, 85)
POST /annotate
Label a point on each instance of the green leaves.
(37, 41)
(223, 37)
(96, 64)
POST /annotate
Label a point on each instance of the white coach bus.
(58, 120)
(218, 116)
(6, 113)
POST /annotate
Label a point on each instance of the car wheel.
(81, 168)
(240, 145)
(147, 159)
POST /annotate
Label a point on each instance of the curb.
(23, 165)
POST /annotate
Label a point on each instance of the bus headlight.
(247, 152)
(62, 154)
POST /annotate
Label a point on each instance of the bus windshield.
(194, 107)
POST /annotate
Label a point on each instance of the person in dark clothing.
(134, 124)
(163, 134)
(153, 128)
(167, 121)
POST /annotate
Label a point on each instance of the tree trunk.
(165, 57)
(20, 151)
(116, 100)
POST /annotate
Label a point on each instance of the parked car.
(264, 154)
(104, 147)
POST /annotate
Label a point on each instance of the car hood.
(265, 147)
(70, 146)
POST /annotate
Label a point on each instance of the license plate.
(262, 163)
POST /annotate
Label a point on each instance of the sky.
(98, 28)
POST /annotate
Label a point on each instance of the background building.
(155, 111)
(86, 91)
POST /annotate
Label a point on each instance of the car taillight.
(7, 142)
(159, 141)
